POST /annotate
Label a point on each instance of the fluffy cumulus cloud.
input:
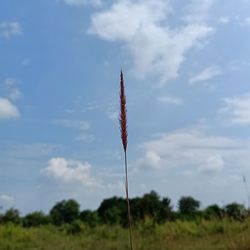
(150, 160)
(10, 29)
(236, 110)
(82, 2)
(8, 110)
(157, 49)
(206, 74)
(70, 172)
(195, 148)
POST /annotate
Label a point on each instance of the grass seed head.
(123, 114)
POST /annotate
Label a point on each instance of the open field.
(202, 235)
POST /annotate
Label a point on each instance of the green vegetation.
(156, 226)
(178, 235)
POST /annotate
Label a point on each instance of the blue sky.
(186, 71)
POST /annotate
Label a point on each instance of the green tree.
(11, 215)
(113, 210)
(89, 217)
(213, 211)
(113, 215)
(166, 211)
(65, 211)
(35, 219)
(188, 205)
(167, 203)
(150, 205)
(235, 211)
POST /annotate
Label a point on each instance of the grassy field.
(202, 235)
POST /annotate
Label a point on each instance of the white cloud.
(170, 100)
(142, 26)
(236, 110)
(9, 82)
(124, 19)
(150, 160)
(113, 115)
(85, 138)
(25, 62)
(8, 110)
(197, 10)
(247, 21)
(77, 124)
(92, 107)
(81, 125)
(83, 2)
(6, 200)
(109, 108)
(224, 19)
(10, 29)
(213, 164)
(13, 92)
(30, 151)
(70, 172)
(195, 149)
(206, 74)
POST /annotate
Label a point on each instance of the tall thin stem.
(124, 137)
(127, 198)
(247, 192)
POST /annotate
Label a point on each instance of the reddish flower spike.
(123, 114)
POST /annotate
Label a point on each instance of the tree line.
(114, 211)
